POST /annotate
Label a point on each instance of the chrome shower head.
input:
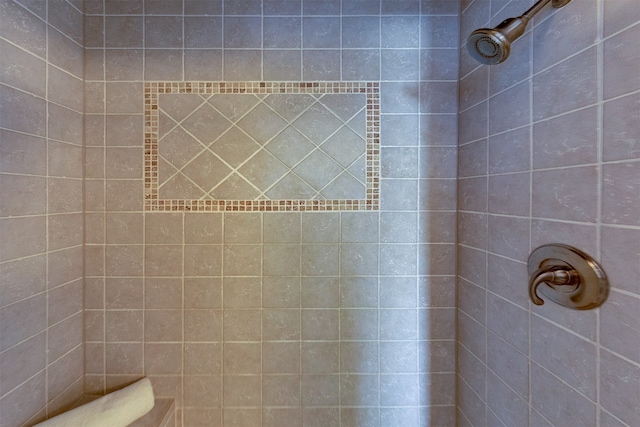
(488, 46)
(492, 45)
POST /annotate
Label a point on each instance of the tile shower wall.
(276, 318)
(41, 346)
(549, 152)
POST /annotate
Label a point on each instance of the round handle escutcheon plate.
(593, 286)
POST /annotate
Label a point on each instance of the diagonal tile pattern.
(224, 132)
(211, 145)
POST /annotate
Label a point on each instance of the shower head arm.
(512, 28)
(534, 9)
(540, 4)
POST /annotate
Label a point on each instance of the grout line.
(418, 143)
(487, 293)
(262, 49)
(184, 42)
(223, 241)
(340, 51)
(223, 49)
(599, 189)
(47, 240)
(530, 407)
(260, 310)
(144, 216)
(183, 310)
(104, 200)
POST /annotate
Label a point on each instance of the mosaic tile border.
(154, 203)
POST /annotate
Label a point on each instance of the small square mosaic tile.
(261, 146)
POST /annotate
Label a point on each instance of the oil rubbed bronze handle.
(566, 276)
(553, 277)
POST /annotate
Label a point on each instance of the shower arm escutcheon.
(566, 276)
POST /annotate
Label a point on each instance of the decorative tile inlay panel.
(261, 146)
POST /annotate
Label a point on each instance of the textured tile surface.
(561, 120)
(41, 306)
(170, 289)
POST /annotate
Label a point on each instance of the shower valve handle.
(561, 279)
(567, 276)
